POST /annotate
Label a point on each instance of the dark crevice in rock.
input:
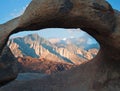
(66, 6)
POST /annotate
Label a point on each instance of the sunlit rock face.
(96, 18)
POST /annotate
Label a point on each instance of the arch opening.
(51, 50)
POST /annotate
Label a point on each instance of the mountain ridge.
(38, 47)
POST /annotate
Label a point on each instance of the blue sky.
(115, 4)
(55, 33)
(10, 9)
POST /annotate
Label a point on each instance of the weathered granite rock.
(8, 66)
(97, 18)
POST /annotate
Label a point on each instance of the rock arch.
(97, 18)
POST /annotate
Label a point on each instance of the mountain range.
(62, 53)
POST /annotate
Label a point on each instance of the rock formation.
(97, 18)
(8, 66)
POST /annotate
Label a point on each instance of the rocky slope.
(43, 66)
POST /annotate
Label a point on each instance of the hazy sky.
(10, 9)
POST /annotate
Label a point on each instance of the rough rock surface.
(8, 66)
(44, 66)
(97, 18)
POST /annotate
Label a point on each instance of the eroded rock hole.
(51, 50)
